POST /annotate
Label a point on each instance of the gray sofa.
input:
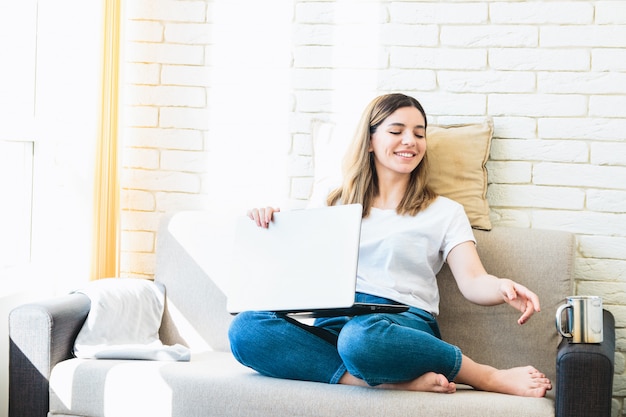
(46, 380)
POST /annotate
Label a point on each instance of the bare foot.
(429, 382)
(524, 381)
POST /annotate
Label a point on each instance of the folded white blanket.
(124, 321)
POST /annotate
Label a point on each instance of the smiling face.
(399, 142)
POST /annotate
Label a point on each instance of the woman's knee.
(360, 338)
(247, 331)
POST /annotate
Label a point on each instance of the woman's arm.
(479, 287)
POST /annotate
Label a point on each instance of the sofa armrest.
(584, 385)
(41, 335)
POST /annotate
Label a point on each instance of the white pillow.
(124, 322)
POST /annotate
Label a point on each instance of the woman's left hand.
(521, 298)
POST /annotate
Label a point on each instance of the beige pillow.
(457, 156)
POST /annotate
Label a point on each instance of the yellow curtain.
(105, 259)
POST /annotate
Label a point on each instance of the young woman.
(407, 233)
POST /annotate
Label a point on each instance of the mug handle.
(559, 315)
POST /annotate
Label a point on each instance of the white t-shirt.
(400, 256)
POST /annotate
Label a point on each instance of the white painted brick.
(188, 33)
(184, 118)
(140, 158)
(606, 247)
(138, 262)
(582, 82)
(533, 59)
(453, 120)
(515, 127)
(490, 36)
(438, 12)
(583, 222)
(557, 12)
(611, 292)
(370, 79)
(608, 59)
(340, 12)
(582, 128)
(318, 34)
(322, 78)
(509, 172)
(143, 31)
(340, 56)
(607, 106)
(405, 80)
(610, 12)
(300, 166)
(579, 175)
(170, 202)
(397, 34)
(365, 36)
(486, 81)
(137, 73)
(302, 144)
(163, 181)
(501, 195)
(310, 101)
(137, 200)
(540, 150)
(137, 241)
(295, 204)
(440, 103)
(611, 201)
(167, 96)
(301, 187)
(620, 360)
(510, 218)
(140, 220)
(438, 58)
(164, 53)
(141, 116)
(186, 75)
(167, 10)
(538, 105)
(619, 387)
(183, 139)
(184, 161)
(301, 122)
(126, 274)
(609, 153)
(590, 36)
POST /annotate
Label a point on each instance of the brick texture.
(211, 93)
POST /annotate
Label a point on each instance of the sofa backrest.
(190, 258)
(192, 248)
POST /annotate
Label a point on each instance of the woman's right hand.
(262, 216)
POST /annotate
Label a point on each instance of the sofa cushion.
(457, 156)
(214, 384)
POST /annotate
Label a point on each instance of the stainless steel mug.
(583, 323)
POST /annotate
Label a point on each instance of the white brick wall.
(552, 74)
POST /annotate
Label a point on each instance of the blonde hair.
(360, 181)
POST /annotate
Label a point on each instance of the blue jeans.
(377, 348)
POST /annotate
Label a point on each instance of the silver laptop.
(303, 264)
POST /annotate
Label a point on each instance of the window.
(16, 188)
